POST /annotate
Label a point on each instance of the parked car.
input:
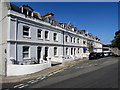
(93, 55)
(111, 54)
(100, 55)
(96, 55)
(106, 54)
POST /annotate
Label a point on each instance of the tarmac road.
(104, 75)
(100, 73)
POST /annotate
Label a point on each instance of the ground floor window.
(74, 51)
(84, 50)
(66, 51)
(26, 51)
(55, 51)
(71, 51)
(78, 50)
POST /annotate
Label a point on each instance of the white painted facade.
(12, 43)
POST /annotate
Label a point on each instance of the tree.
(116, 41)
(90, 46)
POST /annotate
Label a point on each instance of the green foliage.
(90, 46)
(116, 41)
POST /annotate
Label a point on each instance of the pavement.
(43, 73)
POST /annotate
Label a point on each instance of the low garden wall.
(15, 70)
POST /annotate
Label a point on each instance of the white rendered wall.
(34, 42)
(15, 70)
(4, 26)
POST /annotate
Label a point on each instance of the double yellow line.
(33, 77)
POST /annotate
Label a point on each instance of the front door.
(46, 53)
(38, 53)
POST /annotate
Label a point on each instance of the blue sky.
(98, 18)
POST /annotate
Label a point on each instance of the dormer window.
(27, 10)
(48, 20)
(51, 21)
(24, 11)
(29, 13)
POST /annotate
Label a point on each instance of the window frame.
(55, 37)
(74, 39)
(66, 38)
(47, 35)
(84, 42)
(39, 33)
(26, 36)
(71, 39)
(78, 50)
(67, 51)
(78, 40)
(71, 51)
(26, 52)
(55, 51)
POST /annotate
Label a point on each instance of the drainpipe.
(63, 43)
(16, 34)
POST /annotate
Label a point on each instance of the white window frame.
(26, 52)
(78, 50)
(56, 51)
(56, 37)
(74, 40)
(40, 34)
(71, 51)
(26, 31)
(47, 35)
(84, 42)
(67, 51)
(78, 40)
(71, 39)
(66, 38)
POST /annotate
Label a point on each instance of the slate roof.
(14, 8)
(49, 13)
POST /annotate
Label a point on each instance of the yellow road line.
(41, 75)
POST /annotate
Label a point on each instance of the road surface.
(100, 73)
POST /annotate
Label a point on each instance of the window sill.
(55, 55)
(40, 39)
(27, 37)
(46, 39)
(26, 58)
(55, 40)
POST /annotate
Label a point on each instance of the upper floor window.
(29, 13)
(71, 39)
(25, 11)
(84, 42)
(55, 51)
(48, 20)
(39, 33)
(26, 31)
(25, 51)
(74, 40)
(55, 36)
(52, 22)
(46, 34)
(66, 38)
(78, 40)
